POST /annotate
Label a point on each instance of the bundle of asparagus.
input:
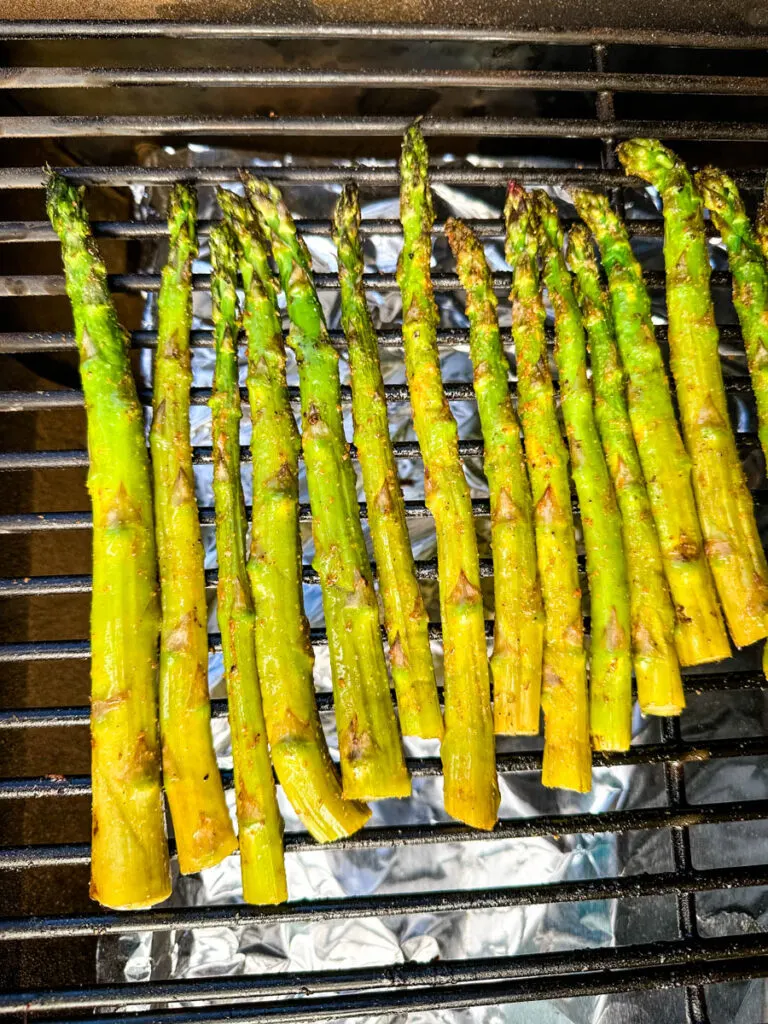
(283, 651)
(129, 849)
(564, 699)
(468, 753)
(201, 821)
(372, 761)
(518, 627)
(724, 503)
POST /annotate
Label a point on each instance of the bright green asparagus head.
(222, 246)
(182, 220)
(346, 227)
(653, 162)
(520, 222)
(415, 194)
(549, 229)
(252, 245)
(66, 209)
(580, 251)
(594, 209)
(276, 220)
(720, 196)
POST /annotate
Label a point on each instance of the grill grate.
(596, 71)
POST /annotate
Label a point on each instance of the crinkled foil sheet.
(480, 865)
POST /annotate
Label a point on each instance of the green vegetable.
(283, 651)
(129, 852)
(405, 616)
(372, 762)
(659, 687)
(518, 644)
(260, 825)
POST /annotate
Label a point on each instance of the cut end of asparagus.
(720, 196)
(652, 161)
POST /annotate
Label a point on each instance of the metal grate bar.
(459, 78)
(115, 126)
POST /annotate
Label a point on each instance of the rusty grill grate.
(72, 95)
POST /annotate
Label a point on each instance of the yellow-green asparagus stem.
(201, 821)
(405, 616)
(726, 510)
(700, 635)
(659, 687)
(468, 752)
(283, 651)
(129, 852)
(567, 752)
(610, 656)
(372, 762)
(260, 826)
(518, 628)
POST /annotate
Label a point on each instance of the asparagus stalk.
(761, 224)
(129, 852)
(725, 506)
(567, 753)
(405, 617)
(518, 638)
(610, 657)
(372, 762)
(699, 635)
(468, 754)
(283, 651)
(659, 687)
(750, 280)
(260, 825)
(201, 821)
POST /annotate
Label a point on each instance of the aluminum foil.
(469, 865)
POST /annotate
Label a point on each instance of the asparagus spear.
(405, 616)
(468, 753)
(610, 659)
(283, 651)
(372, 762)
(129, 852)
(761, 224)
(201, 821)
(518, 640)
(260, 825)
(725, 506)
(567, 753)
(659, 687)
(699, 636)
(750, 280)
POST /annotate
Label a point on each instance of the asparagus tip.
(580, 251)
(345, 222)
(651, 160)
(718, 193)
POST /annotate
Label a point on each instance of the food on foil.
(405, 617)
(518, 623)
(468, 751)
(260, 826)
(657, 671)
(201, 823)
(129, 848)
(700, 635)
(726, 510)
(372, 760)
(283, 650)
(564, 695)
(610, 662)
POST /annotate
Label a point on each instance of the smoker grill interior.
(88, 98)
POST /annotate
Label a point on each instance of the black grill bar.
(508, 79)
(487, 177)
(41, 126)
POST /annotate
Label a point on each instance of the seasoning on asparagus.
(129, 851)
(726, 510)
(564, 700)
(468, 753)
(372, 762)
(761, 224)
(610, 656)
(201, 822)
(260, 825)
(699, 635)
(405, 617)
(750, 280)
(659, 687)
(518, 628)
(283, 651)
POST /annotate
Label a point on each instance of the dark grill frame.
(691, 962)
